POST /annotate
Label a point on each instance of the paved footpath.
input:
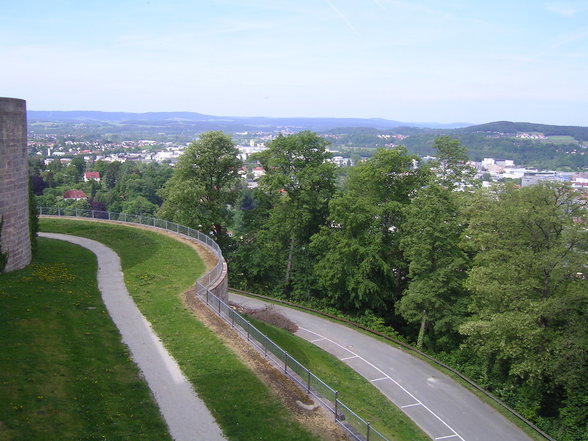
(186, 415)
(442, 408)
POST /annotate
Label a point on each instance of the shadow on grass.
(143, 245)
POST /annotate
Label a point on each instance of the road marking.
(318, 339)
(348, 358)
(379, 379)
(410, 405)
(445, 437)
(386, 376)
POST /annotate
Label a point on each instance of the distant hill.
(228, 123)
(508, 127)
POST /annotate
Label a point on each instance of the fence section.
(352, 423)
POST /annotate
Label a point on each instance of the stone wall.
(14, 190)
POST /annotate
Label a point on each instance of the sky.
(444, 61)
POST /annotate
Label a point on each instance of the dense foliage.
(490, 280)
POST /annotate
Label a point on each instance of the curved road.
(186, 415)
(436, 403)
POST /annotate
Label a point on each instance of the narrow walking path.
(441, 407)
(186, 415)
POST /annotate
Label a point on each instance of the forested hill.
(227, 123)
(508, 127)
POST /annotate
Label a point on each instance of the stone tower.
(14, 183)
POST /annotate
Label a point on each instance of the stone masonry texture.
(14, 181)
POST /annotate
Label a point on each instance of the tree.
(437, 269)
(360, 265)
(298, 183)
(201, 188)
(452, 163)
(530, 295)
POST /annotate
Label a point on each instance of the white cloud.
(566, 9)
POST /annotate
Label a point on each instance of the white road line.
(322, 337)
(410, 405)
(379, 379)
(348, 358)
(318, 339)
(445, 437)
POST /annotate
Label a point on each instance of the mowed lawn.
(64, 372)
(157, 270)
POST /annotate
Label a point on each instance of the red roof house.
(75, 194)
(91, 175)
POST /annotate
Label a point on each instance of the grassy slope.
(156, 269)
(64, 372)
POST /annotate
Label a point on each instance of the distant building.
(75, 195)
(91, 176)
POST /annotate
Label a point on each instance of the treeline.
(482, 142)
(491, 281)
(129, 187)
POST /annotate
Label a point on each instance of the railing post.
(76, 211)
(92, 214)
(286, 362)
(336, 402)
(109, 215)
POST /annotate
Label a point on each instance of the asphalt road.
(444, 409)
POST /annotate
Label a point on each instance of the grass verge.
(355, 391)
(157, 270)
(64, 372)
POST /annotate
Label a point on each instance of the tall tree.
(202, 186)
(361, 266)
(451, 165)
(530, 295)
(437, 269)
(294, 193)
(298, 172)
(431, 243)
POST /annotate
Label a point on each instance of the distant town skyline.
(411, 61)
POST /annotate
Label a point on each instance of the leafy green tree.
(295, 190)
(452, 163)
(202, 185)
(360, 265)
(431, 238)
(530, 297)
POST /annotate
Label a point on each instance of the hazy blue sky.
(423, 60)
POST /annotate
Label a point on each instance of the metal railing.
(353, 424)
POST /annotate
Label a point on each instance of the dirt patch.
(319, 421)
(268, 314)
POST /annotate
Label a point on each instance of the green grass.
(354, 390)
(560, 139)
(64, 372)
(157, 268)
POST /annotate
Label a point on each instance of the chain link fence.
(358, 428)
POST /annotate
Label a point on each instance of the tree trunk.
(289, 265)
(421, 336)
